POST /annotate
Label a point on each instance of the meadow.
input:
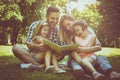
(10, 66)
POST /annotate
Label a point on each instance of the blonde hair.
(63, 34)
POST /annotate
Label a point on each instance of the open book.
(59, 48)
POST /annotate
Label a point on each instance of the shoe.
(98, 76)
(50, 69)
(29, 66)
(59, 71)
(114, 76)
(64, 67)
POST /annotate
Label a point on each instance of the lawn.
(10, 66)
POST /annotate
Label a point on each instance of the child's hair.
(39, 27)
(82, 23)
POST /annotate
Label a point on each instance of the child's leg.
(87, 63)
(40, 58)
(76, 57)
(47, 58)
(55, 63)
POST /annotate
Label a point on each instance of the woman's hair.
(39, 27)
(82, 23)
(62, 31)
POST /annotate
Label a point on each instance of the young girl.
(83, 38)
(42, 31)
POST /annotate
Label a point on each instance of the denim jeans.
(101, 63)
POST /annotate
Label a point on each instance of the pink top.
(84, 43)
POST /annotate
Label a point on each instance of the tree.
(90, 14)
(109, 33)
(10, 16)
(19, 14)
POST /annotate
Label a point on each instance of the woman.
(66, 36)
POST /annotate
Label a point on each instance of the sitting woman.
(42, 31)
(66, 35)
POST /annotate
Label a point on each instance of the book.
(59, 49)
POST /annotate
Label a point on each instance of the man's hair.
(52, 9)
(82, 23)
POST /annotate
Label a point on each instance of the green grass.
(10, 66)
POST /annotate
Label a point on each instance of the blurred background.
(102, 15)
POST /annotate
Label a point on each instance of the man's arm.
(30, 34)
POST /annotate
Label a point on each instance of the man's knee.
(17, 49)
(14, 48)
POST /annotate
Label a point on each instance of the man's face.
(67, 24)
(52, 19)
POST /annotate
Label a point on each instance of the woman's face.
(67, 24)
(44, 31)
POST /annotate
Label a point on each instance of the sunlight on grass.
(5, 50)
(10, 66)
(109, 52)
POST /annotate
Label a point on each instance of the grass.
(10, 66)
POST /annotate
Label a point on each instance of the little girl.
(85, 39)
(47, 55)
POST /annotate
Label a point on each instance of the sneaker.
(50, 69)
(29, 66)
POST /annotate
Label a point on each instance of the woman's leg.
(76, 57)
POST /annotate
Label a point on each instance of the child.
(43, 31)
(83, 38)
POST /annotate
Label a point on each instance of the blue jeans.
(101, 64)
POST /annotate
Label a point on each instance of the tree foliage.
(17, 15)
(90, 14)
(109, 28)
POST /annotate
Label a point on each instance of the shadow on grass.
(10, 70)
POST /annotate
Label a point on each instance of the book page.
(59, 49)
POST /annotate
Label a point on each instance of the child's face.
(44, 31)
(78, 30)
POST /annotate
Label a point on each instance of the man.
(52, 17)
